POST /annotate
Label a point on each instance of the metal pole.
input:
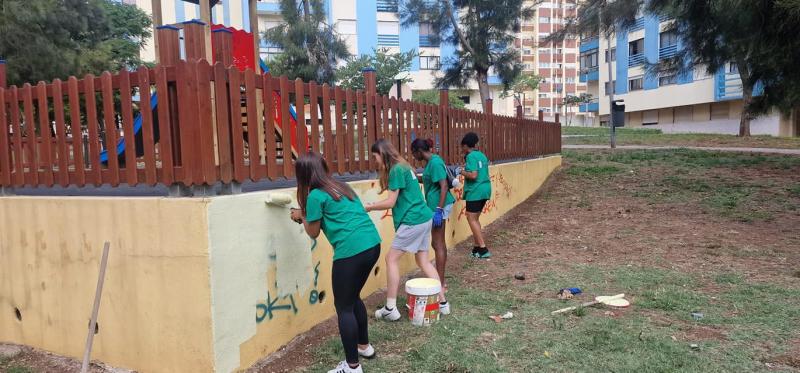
(613, 139)
(87, 353)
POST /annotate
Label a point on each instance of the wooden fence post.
(168, 55)
(489, 145)
(3, 81)
(371, 91)
(519, 111)
(194, 35)
(444, 125)
(223, 46)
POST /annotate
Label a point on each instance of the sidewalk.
(709, 148)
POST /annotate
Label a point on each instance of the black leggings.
(349, 276)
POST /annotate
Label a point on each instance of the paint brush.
(278, 199)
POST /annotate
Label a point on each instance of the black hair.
(470, 139)
(421, 145)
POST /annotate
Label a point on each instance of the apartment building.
(366, 25)
(556, 63)
(690, 102)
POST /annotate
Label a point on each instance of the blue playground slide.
(137, 127)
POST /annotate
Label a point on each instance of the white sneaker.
(444, 309)
(367, 353)
(384, 314)
(343, 367)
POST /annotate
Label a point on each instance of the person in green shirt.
(440, 201)
(331, 206)
(412, 222)
(477, 190)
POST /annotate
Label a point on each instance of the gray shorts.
(413, 238)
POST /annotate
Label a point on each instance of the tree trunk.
(747, 97)
(483, 88)
(307, 10)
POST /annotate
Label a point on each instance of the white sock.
(391, 303)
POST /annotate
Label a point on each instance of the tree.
(758, 37)
(311, 47)
(572, 101)
(431, 97)
(387, 66)
(523, 83)
(484, 32)
(48, 39)
(606, 18)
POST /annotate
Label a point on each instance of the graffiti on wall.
(500, 187)
(266, 310)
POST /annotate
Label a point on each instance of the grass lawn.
(676, 231)
(646, 136)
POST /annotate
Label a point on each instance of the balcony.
(636, 60)
(667, 52)
(591, 107)
(427, 41)
(388, 6)
(589, 75)
(728, 86)
(589, 44)
(637, 25)
(388, 40)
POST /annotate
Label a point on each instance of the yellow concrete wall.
(251, 319)
(192, 283)
(154, 315)
(665, 116)
(701, 113)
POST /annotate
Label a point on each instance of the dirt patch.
(43, 361)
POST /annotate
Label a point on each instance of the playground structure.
(204, 284)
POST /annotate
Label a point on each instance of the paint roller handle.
(296, 215)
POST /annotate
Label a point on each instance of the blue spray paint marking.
(270, 306)
(314, 245)
(316, 273)
(313, 298)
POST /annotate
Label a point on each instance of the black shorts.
(476, 206)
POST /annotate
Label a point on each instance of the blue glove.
(438, 217)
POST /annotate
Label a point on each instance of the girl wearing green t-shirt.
(439, 200)
(331, 206)
(412, 222)
(477, 190)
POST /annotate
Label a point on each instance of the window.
(429, 62)
(425, 29)
(610, 88)
(589, 61)
(668, 39)
(464, 99)
(527, 66)
(544, 65)
(543, 95)
(527, 51)
(636, 47)
(571, 80)
(269, 53)
(346, 27)
(528, 110)
(544, 50)
(387, 6)
(635, 84)
(613, 54)
(559, 51)
(667, 80)
(544, 19)
(733, 68)
(543, 35)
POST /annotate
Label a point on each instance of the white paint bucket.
(423, 300)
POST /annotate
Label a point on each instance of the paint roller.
(278, 199)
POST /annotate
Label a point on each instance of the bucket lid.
(423, 286)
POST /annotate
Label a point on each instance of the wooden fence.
(215, 124)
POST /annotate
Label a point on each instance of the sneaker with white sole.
(444, 309)
(367, 353)
(384, 314)
(343, 367)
